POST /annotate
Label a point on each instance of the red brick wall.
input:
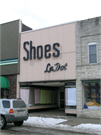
(13, 85)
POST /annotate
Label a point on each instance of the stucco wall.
(87, 31)
(33, 70)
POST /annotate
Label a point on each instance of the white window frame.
(91, 44)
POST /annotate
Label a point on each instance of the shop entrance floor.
(48, 113)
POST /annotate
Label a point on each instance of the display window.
(92, 94)
(45, 97)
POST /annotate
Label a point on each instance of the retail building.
(47, 76)
(88, 67)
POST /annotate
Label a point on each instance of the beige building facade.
(47, 65)
(64, 38)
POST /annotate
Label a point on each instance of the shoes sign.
(44, 51)
(39, 51)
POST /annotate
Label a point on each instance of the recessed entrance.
(38, 96)
(43, 96)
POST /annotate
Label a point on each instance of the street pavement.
(28, 130)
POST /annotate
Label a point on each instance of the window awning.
(4, 83)
(91, 81)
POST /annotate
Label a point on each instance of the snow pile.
(56, 124)
(43, 121)
(90, 128)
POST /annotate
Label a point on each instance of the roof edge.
(10, 21)
(48, 27)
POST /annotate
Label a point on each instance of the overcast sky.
(43, 13)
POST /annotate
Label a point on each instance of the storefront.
(47, 76)
(91, 93)
(88, 67)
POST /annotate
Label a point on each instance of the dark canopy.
(4, 83)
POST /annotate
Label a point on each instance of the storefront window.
(92, 94)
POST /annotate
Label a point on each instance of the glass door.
(62, 100)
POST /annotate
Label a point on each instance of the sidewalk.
(72, 120)
(69, 123)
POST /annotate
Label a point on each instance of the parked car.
(12, 111)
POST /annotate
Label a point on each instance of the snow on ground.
(91, 128)
(56, 124)
(45, 121)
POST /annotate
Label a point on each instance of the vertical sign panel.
(70, 96)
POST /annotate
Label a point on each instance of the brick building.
(9, 54)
